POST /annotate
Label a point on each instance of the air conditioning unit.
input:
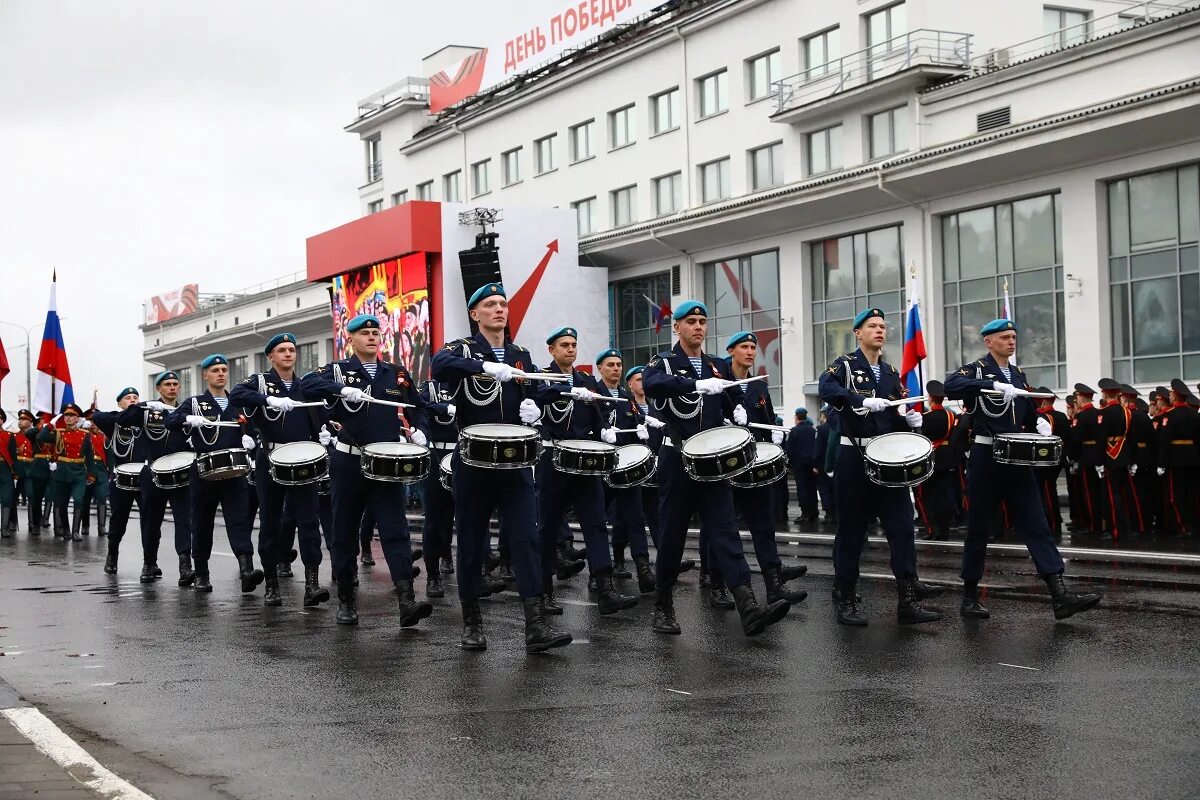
(997, 58)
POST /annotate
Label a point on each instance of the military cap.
(216, 359)
(363, 322)
(935, 388)
(611, 352)
(279, 339)
(127, 390)
(1109, 385)
(863, 316)
(487, 290)
(26, 413)
(738, 338)
(801, 412)
(998, 326)
(1141, 405)
(71, 408)
(629, 373)
(558, 333)
(1164, 393)
(1126, 389)
(1046, 390)
(689, 307)
(1180, 388)
(169, 375)
(1083, 388)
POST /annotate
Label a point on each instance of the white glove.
(53, 466)
(913, 418)
(710, 386)
(418, 438)
(642, 433)
(1073, 469)
(247, 442)
(1161, 471)
(739, 415)
(1133, 469)
(11, 426)
(194, 421)
(284, 404)
(451, 410)
(655, 422)
(1010, 392)
(529, 411)
(324, 437)
(777, 438)
(608, 435)
(580, 393)
(353, 395)
(875, 404)
(1044, 427)
(157, 405)
(501, 372)
(85, 424)
(1100, 471)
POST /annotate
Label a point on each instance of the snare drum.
(635, 465)
(298, 463)
(446, 472)
(221, 465)
(718, 453)
(499, 446)
(899, 459)
(584, 457)
(171, 471)
(770, 464)
(395, 462)
(1027, 449)
(128, 476)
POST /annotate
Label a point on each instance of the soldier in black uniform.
(1047, 477)
(438, 502)
(1179, 459)
(1087, 434)
(1142, 470)
(1115, 422)
(126, 445)
(936, 496)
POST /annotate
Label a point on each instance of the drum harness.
(216, 431)
(279, 414)
(693, 409)
(859, 410)
(1002, 405)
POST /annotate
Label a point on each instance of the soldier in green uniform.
(72, 466)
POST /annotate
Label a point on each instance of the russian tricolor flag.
(54, 376)
(914, 347)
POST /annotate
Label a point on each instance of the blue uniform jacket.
(757, 402)
(801, 444)
(564, 418)
(367, 423)
(477, 397)
(670, 384)
(205, 440)
(439, 425)
(159, 440)
(966, 383)
(848, 381)
(625, 416)
(125, 443)
(298, 425)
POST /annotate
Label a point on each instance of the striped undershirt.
(223, 402)
(371, 367)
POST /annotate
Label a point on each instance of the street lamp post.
(28, 361)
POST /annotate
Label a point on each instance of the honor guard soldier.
(8, 476)
(1145, 460)
(269, 399)
(199, 416)
(25, 420)
(351, 384)
(71, 465)
(437, 500)
(570, 412)
(1087, 436)
(126, 445)
(989, 483)
(687, 391)
(1047, 477)
(634, 377)
(801, 446)
(97, 490)
(1116, 420)
(1179, 458)
(859, 386)
(479, 371)
(936, 496)
(38, 476)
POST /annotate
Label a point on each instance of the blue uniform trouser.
(679, 496)
(231, 495)
(302, 506)
(477, 492)
(287, 528)
(650, 511)
(863, 500)
(557, 489)
(988, 485)
(353, 496)
(629, 521)
(152, 505)
(806, 489)
(757, 505)
(439, 520)
(120, 502)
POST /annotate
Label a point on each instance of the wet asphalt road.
(190, 695)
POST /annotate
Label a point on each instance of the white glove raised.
(655, 422)
(353, 395)
(53, 466)
(777, 438)
(451, 410)
(1161, 471)
(739, 415)
(529, 411)
(580, 393)
(642, 433)
(1044, 427)
(608, 435)
(85, 424)
(11, 426)
(194, 421)
(1100, 471)
(247, 442)
(913, 418)
(157, 405)
(1010, 391)
(284, 404)
(710, 386)
(418, 438)
(875, 404)
(501, 372)
(324, 437)
(1133, 469)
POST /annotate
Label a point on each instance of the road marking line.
(66, 752)
(103, 684)
(1018, 666)
(680, 691)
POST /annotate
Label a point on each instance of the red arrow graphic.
(519, 303)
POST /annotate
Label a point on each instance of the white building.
(790, 162)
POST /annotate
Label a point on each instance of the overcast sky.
(145, 144)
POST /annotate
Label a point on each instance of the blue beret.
(214, 360)
(127, 390)
(998, 325)
(611, 352)
(169, 375)
(487, 290)
(739, 337)
(802, 411)
(688, 308)
(863, 316)
(362, 321)
(558, 333)
(629, 373)
(277, 340)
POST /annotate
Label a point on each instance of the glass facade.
(742, 294)
(635, 305)
(1154, 275)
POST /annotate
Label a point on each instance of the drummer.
(269, 399)
(126, 445)
(685, 387)
(349, 384)
(859, 385)
(157, 441)
(436, 500)
(194, 416)
(478, 372)
(571, 413)
(989, 483)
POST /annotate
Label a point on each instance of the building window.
(480, 179)
(1065, 26)
(375, 206)
(714, 181)
(766, 166)
(884, 27)
(850, 273)
(581, 141)
(1018, 245)
(624, 206)
(585, 215)
(510, 166)
(742, 294)
(621, 128)
(1154, 274)
(425, 190)
(824, 150)
(888, 132)
(761, 72)
(664, 109)
(186, 385)
(819, 51)
(544, 151)
(400, 198)
(668, 194)
(308, 358)
(638, 332)
(238, 371)
(374, 161)
(452, 186)
(713, 93)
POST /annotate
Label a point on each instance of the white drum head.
(131, 469)
(499, 431)
(765, 451)
(585, 446)
(898, 448)
(716, 440)
(173, 461)
(394, 449)
(631, 455)
(446, 465)
(1026, 437)
(297, 453)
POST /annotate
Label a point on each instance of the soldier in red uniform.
(1116, 421)
(24, 462)
(71, 467)
(936, 496)
(1144, 479)
(1179, 459)
(1087, 439)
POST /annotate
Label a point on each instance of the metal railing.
(374, 171)
(922, 47)
(410, 88)
(208, 301)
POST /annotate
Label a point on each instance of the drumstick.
(306, 404)
(766, 427)
(609, 398)
(540, 376)
(393, 403)
(211, 424)
(907, 401)
(747, 380)
(1020, 393)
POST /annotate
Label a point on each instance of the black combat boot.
(472, 635)
(1068, 603)
(76, 524)
(645, 575)
(433, 585)
(147, 575)
(202, 584)
(367, 559)
(271, 593)
(34, 525)
(685, 565)
(570, 551)
(663, 618)
(926, 591)
(756, 618)
(102, 519)
(86, 517)
(284, 568)
(412, 610)
(110, 560)
(540, 635)
(566, 566)
(549, 605)
(251, 577)
(314, 592)
(347, 613)
(447, 565)
(845, 601)
(778, 590)
(5, 530)
(186, 573)
(489, 585)
(619, 568)
(789, 572)
(718, 596)
(611, 601)
(971, 607)
(908, 610)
